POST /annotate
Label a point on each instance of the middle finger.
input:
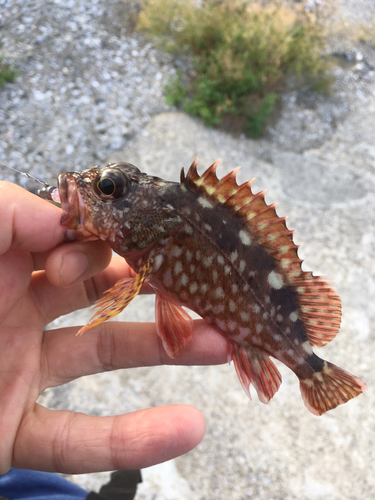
(115, 345)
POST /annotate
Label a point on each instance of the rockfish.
(217, 248)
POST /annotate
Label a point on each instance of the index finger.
(26, 221)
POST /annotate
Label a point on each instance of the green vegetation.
(7, 74)
(241, 54)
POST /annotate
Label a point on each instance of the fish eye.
(111, 184)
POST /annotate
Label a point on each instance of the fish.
(218, 249)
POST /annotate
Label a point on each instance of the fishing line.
(47, 193)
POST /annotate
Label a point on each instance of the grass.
(7, 74)
(241, 52)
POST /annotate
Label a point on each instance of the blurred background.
(285, 89)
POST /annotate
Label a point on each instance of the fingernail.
(74, 265)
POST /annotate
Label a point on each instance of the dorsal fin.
(320, 305)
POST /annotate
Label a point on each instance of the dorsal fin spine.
(182, 176)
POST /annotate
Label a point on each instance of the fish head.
(117, 203)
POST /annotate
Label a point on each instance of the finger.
(13, 284)
(115, 345)
(27, 222)
(55, 301)
(76, 262)
(74, 443)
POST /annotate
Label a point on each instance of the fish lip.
(71, 201)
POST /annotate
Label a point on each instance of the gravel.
(85, 88)
(88, 85)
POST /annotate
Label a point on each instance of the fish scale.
(216, 247)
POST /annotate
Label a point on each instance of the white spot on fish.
(188, 229)
(275, 280)
(285, 263)
(204, 202)
(234, 256)
(227, 269)
(220, 259)
(176, 251)
(293, 316)
(207, 261)
(167, 278)
(184, 280)
(259, 327)
(177, 268)
(192, 268)
(244, 316)
(256, 308)
(279, 317)
(221, 324)
(215, 275)
(232, 306)
(277, 337)
(246, 288)
(218, 309)
(204, 287)
(244, 331)
(219, 292)
(234, 288)
(193, 287)
(232, 325)
(159, 259)
(307, 347)
(244, 237)
(242, 266)
(189, 255)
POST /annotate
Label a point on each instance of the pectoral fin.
(173, 325)
(117, 298)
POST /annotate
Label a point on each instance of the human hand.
(41, 279)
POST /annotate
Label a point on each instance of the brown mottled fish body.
(219, 249)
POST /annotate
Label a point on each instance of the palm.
(32, 269)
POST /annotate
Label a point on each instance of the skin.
(43, 278)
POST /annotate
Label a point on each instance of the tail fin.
(329, 388)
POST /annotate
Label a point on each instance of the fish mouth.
(73, 217)
(71, 201)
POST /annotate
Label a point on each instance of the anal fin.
(255, 367)
(117, 298)
(173, 325)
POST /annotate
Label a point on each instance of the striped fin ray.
(320, 309)
(320, 305)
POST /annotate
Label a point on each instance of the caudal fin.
(329, 388)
